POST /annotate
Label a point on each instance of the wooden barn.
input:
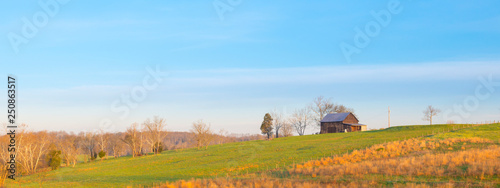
(340, 123)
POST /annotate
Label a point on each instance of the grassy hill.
(234, 159)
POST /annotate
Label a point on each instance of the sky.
(88, 65)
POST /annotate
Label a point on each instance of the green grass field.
(491, 131)
(234, 158)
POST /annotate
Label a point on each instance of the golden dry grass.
(477, 163)
(273, 183)
(374, 166)
(390, 150)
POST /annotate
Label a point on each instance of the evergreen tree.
(54, 159)
(267, 125)
(102, 154)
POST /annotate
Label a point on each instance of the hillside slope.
(231, 159)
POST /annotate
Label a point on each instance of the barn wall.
(347, 128)
(334, 127)
(350, 119)
(356, 128)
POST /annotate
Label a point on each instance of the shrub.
(54, 159)
(158, 146)
(102, 154)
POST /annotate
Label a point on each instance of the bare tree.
(339, 108)
(287, 129)
(430, 112)
(102, 140)
(141, 142)
(88, 141)
(4, 158)
(222, 136)
(202, 134)
(300, 120)
(31, 148)
(320, 108)
(4, 155)
(132, 138)
(69, 148)
(115, 145)
(148, 138)
(155, 132)
(278, 121)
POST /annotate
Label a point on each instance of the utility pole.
(389, 108)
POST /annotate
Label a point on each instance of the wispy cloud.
(99, 24)
(338, 74)
(183, 81)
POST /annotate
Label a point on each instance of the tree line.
(43, 150)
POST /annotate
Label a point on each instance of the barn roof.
(335, 117)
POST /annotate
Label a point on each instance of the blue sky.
(259, 56)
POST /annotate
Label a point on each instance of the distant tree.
(69, 149)
(102, 154)
(221, 138)
(202, 134)
(155, 131)
(287, 129)
(278, 121)
(158, 147)
(430, 112)
(31, 148)
(267, 125)
(4, 157)
(339, 108)
(132, 139)
(300, 120)
(116, 145)
(102, 140)
(54, 157)
(141, 142)
(321, 107)
(88, 141)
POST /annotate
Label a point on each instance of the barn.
(341, 122)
